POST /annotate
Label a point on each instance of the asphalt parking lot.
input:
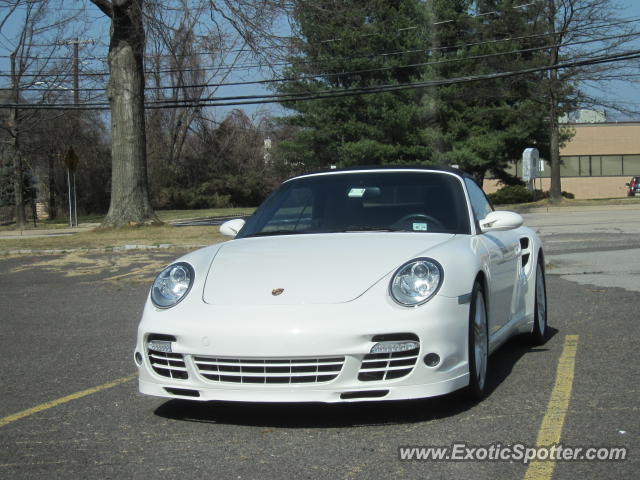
(70, 407)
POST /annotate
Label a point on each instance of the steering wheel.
(421, 217)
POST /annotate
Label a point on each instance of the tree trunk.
(130, 203)
(555, 191)
(432, 94)
(21, 217)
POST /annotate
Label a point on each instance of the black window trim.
(472, 211)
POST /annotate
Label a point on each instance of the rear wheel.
(539, 332)
(478, 344)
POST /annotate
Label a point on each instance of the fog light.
(159, 346)
(138, 358)
(431, 359)
(392, 347)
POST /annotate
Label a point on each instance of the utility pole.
(14, 128)
(76, 66)
(76, 73)
(553, 91)
(71, 159)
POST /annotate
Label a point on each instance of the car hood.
(311, 269)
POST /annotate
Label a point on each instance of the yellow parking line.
(551, 428)
(53, 403)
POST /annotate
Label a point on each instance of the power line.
(361, 71)
(372, 34)
(415, 27)
(336, 93)
(397, 87)
(394, 67)
(325, 74)
(371, 55)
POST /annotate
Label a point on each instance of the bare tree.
(252, 21)
(581, 30)
(188, 57)
(181, 64)
(38, 68)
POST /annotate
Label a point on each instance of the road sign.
(530, 163)
(71, 160)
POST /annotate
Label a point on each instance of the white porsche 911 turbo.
(347, 285)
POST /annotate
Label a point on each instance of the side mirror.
(501, 220)
(230, 228)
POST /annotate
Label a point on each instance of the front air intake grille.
(269, 370)
(387, 366)
(169, 365)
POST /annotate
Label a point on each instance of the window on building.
(570, 167)
(596, 166)
(585, 166)
(589, 166)
(631, 164)
(611, 165)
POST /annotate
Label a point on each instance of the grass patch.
(113, 237)
(163, 215)
(132, 267)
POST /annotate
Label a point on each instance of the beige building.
(596, 162)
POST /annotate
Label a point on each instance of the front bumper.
(207, 338)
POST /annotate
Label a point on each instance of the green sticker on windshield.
(419, 227)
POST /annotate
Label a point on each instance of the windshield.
(422, 202)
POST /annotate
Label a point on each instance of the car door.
(503, 252)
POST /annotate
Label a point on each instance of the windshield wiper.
(369, 228)
(272, 232)
(354, 228)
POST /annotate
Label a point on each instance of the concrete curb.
(585, 208)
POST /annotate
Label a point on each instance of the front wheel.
(539, 332)
(478, 345)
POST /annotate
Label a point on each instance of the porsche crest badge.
(277, 291)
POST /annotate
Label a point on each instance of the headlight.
(172, 285)
(415, 282)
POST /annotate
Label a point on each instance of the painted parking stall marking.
(54, 403)
(553, 421)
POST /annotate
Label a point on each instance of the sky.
(99, 31)
(624, 91)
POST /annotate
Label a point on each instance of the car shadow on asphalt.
(318, 415)
(501, 363)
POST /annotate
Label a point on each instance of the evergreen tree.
(344, 43)
(489, 123)
(480, 126)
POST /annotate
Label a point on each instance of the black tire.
(540, 330)
(478, 332)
